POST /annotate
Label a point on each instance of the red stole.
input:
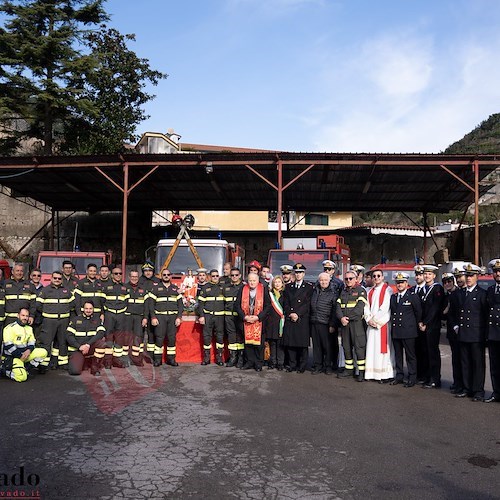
(383, 329)
(253, 331)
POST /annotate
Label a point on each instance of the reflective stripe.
(55, 301)
(240, 347)
(115, 311)
(219, 346)
(168, 299)
(55, 316)
(207, 347)
(220, 298)
(216, 313)
(166, 312)
(170, 350)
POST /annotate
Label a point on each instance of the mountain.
(484, 139)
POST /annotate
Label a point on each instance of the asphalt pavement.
(217, 432)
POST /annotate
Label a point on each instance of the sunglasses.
(166, 274)
(328, 269)
(349, 279)
(36, 275)
(237, 274)
(56, 278)
(214, 275)
(117, 273)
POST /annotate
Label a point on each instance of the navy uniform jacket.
(494, 314)
(406, 315)
(454, 301)
(298, 301)
(433, 304)
(473, 314)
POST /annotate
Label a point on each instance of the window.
(316, 220)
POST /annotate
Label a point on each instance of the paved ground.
(212, 432)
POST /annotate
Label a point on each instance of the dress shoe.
(258, 368)
(328, 371)
(315, 372)
(492, 399)
(396, 381)
(386, 381)
(219, 363)
(462, 394)
(280, 368)
(270, 366)
(289, 369)
(457, 390)
(301, 370)
(478, 399)
(409, 384)
(432, 385)
(246, 367)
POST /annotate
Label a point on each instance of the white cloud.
(408, 96)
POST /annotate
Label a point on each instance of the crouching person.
(85, 338)
(20, 354)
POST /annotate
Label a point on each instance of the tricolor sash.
(279, 311)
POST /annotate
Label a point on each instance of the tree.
(114, 94)
(39, 54)
(67, 82)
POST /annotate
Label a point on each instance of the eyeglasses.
(237, 274)
(349, 279)
(56, 278)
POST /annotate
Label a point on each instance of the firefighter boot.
(361, 376)
(345, 374)
(218, 358)
(157, 360)
(206, 357)
(233, 355)
(171, 360)
(241, 361)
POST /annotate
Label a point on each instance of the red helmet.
(255, 263)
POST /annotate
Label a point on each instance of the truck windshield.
(51, 264)
(211, 257)
(312, 260)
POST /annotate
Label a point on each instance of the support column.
(476, 212)
(280, 202)
(124, 219)
(425, 237)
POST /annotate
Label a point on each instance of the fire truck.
(50, 261)
(311, 252)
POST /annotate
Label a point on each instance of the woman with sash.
(252, 306)
(273, 325)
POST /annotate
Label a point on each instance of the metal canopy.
(249, 181)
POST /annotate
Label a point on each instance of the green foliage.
(484, 139)
(67, 82)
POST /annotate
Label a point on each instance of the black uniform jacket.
(433, 303)
(298, 301)
(472, 315)
(406, 315)
(494, 314)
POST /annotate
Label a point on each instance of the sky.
(397, 76)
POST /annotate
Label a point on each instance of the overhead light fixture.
(209, 169)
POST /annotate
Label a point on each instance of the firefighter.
(89, 288)
(166, 309)
(104, 275)
(147, 280)
(85, 338)
(20, 355)
(18, 294)
(36, 287)
(137, 316)
(350, 310)
(234, 330)
(226, 274)
(118, 339)
(55, 303)
(212, 313)
(68, 273)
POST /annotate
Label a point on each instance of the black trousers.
(277, 357)
(422, 357)
(166, 328)
(254, 355)
(494, 353)
(456, 363)
(235, 337)
(473, 367)
(406, 346)
(54, 330)
(213, 324)
(298, 357)
(322, 346)
(433, 333)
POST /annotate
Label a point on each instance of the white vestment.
(379, 365)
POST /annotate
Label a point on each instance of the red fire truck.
(311, 252)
